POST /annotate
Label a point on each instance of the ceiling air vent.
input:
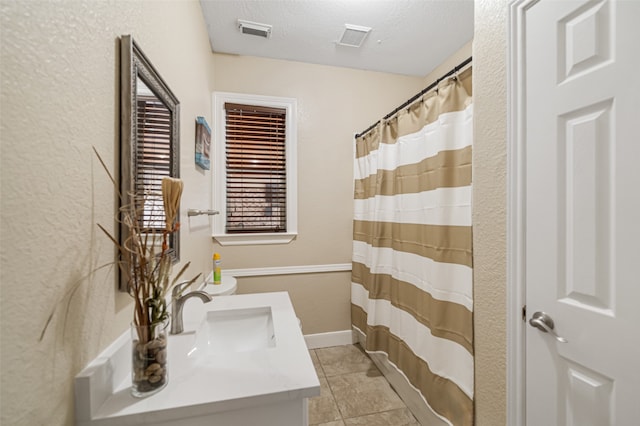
(254, 28)
(353, 35)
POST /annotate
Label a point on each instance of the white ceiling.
(409, 37)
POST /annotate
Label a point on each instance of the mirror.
(149, 142)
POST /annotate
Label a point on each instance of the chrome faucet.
(178, 301)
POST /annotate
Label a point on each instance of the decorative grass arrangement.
(147, 268)
(146, 265)
(143, 258)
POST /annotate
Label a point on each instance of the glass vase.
(149, 368)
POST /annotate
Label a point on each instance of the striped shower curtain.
(411, 292)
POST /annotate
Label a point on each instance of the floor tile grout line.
(321, 366)
(333, 396)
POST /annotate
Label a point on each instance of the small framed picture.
(203, 143)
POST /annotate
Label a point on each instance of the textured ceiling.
(409, 37)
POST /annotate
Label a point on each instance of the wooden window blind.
(153, 160)
(255, 169)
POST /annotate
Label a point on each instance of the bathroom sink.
(241, 360)
(236, 330)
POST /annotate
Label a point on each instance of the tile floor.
(354, 392)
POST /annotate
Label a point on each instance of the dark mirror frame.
(134, 64)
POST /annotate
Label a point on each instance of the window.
(256, 168)
(255, 177)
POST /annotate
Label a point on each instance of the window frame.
(219, 174)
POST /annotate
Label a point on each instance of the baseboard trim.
(332, 338)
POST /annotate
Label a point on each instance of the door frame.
(516, 219)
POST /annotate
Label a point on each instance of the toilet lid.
(228, 285)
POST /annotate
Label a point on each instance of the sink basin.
(236, 330)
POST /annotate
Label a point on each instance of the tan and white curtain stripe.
(412, 254)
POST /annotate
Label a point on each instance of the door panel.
(582, 197)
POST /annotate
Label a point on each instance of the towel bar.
(196, 212)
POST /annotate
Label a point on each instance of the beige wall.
(489, 210)
(333, 104)
(59, 97)
(447, 65)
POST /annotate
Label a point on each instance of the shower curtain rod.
(422, 92)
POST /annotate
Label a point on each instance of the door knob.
(543, 322)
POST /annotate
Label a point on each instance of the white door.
(582, 211)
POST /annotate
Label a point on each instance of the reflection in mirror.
(149, 145)
(153, 153)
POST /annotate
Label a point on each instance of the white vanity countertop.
(217, 382)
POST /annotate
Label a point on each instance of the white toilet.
(228, 285)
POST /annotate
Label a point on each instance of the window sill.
(254, 239)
